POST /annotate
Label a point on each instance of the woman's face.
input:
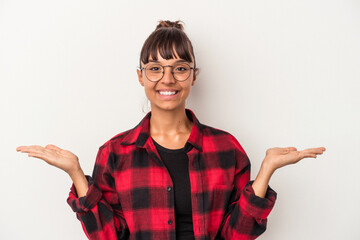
(155, 90)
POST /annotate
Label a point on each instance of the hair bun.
(169, 24)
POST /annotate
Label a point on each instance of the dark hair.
(169, 39)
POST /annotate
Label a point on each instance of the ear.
(194, 78)
(140, 77)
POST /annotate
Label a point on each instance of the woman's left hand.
(278, 157)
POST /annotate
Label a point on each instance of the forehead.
(160, 59)
(158, 56)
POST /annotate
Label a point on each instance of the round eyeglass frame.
(163, 71)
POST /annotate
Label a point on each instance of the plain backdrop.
(273, 73)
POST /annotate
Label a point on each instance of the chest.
(146, 190)
(144, 168)
(172, 142)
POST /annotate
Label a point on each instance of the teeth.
(167, 93)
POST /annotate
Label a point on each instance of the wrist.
(265, 172)
(268, 166)
(76, 172)
(80, 181)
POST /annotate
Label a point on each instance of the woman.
(171, 177)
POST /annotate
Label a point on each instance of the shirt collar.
(141, 132)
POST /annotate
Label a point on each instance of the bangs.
(169, 43)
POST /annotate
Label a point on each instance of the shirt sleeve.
(99, 211)
(246, 214)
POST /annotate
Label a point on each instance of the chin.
(170, 106)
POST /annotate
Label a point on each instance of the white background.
(272, 73)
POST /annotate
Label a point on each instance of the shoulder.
(213, 135)
(210, 131)
(115, 140)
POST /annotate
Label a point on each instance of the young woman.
(171, 177)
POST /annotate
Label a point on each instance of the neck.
(169, 122)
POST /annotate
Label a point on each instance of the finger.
(32, 149)
(306, 154)
(44, 154)
(19, 148)
(39, 156)
(316, 150)
(288, 149)
(39, 152)
(319, 149)
(312, 150)
(34, 154)
(25, 148)
(38, 149)
(53, 147)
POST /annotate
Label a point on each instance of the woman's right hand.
(53, 155)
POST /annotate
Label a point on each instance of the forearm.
(261, 181)
(247, 220)
(80, 182)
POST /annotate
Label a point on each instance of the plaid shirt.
(131, 192)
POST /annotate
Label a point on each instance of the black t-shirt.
(177, 163)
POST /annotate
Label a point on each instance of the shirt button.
(170, 222)
(168, 188)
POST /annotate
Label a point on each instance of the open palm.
(53, 155)
(279, 157)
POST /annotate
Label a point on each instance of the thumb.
(53, 147)
(292, 148)
(288, 149)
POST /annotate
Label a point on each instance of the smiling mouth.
(167, 93)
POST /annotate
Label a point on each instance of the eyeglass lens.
(154, 72)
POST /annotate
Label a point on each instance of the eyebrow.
(180, 60)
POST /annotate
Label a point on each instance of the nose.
(168, 76)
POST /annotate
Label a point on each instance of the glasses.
(155, 72)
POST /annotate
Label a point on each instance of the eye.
(154, 68)
(180, 69)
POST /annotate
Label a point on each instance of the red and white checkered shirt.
(131, 193)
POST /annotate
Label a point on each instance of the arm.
(261, 181)
(99, 210)
(94, 199)
(277, 158)
(246, 214)
(80, 182)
